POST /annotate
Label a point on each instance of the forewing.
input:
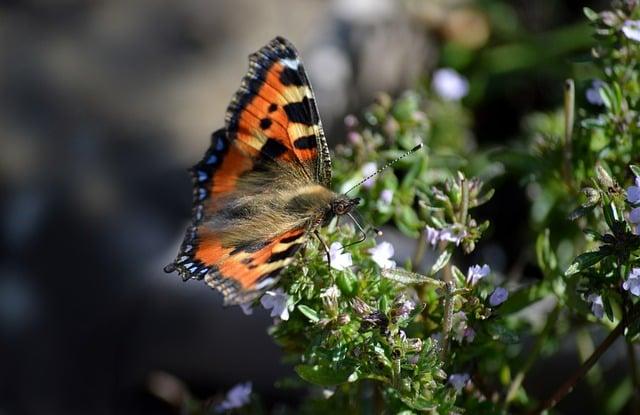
(275, 112)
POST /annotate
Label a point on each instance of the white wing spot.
(291, 63)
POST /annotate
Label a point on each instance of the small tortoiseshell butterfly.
(263, 185)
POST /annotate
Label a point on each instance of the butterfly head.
(343, 205)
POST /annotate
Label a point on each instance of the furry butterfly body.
(263, 185)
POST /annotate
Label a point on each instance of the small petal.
(476, 273)
(631, 29)
(382, 254)
(459, 325)
(634, 215)
(367, 170)
(386, 196)
(498, 297)
(458, 380)
(597, 307)
(277, 302)
(238, 396)
(593, 93)
(633, 194)
(451, 234)
(340, 259)
(433, 235)
(469, 334)
(449, 84)
(632, 284)
(247, 308)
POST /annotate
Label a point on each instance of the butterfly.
(263, 185)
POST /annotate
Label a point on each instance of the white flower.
(633, 192)
(632, 283)
(367, 170)
(382, 254)
(386, 197)
(458, 380)
(597, 308)
(340, 259)
(433, 235)
(459, 325)
(329, 298)
(238, 396)
(631, 29)
(247, 308)
(477, 272)
(449, 84)
(277, 302)
(498, 296)
(593, 93)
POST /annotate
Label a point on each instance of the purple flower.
(433, 235)
(469, 334)
(631, 29)
(367, 170)
(459, 380)
(632, 283)
(237, 397)
(476, 273)
(451, 234)
(277, 302)
(386, 197)
(382, 254)
(354, 137)
(247, 308)
(597, 308)
(593, 93)
(340, 259)
(634, 215)
(350, 121)
(633, 192)
(449, 84)
(498, 296)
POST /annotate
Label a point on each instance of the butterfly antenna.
(389, 164)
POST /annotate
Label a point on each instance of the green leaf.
(309, 312)
(323, 375)
(347, 283)
(405, 277)
(440, 263)
(414, 171)
(584, 261)
(546, 257)
(608, 310)
(407, 221)
(590, 14)
(635, 169)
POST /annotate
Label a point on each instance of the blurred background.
(104, 105)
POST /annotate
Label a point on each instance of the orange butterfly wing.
(272, 120)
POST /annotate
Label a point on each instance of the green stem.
(569, 114)
(421, 249)
(465, 201)
(447, 315)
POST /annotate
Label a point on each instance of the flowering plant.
(398, 327)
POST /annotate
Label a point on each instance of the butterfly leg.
(324, 245)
